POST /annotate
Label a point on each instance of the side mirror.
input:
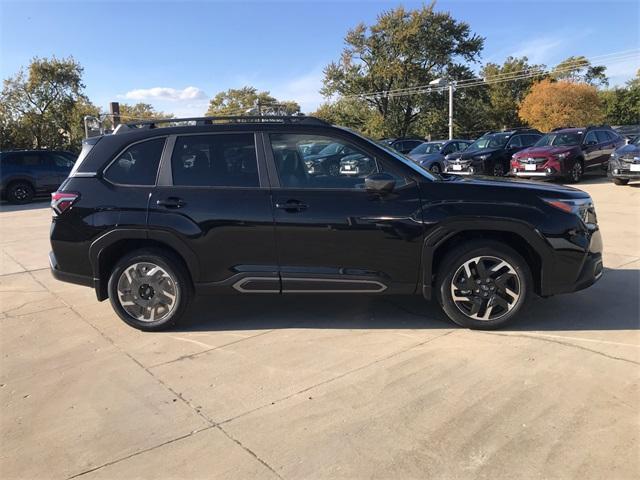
(379, 183)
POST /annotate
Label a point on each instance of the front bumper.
(591, 272)
(619, 171)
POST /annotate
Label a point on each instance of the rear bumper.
(69, 277)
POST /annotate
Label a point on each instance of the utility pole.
(450, 111)
(114, 109)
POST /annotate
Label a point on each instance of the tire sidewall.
(572, 179)
(172, 267)
(475, 249)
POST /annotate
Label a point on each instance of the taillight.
(62, 201)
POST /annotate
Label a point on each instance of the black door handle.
(171, 202)
(292, 206)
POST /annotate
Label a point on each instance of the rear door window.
(137, 165)
(216, 160)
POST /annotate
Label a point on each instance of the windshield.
(426, 148)
(558, 139)
(330, 149)
(494, 140)
(635, 141)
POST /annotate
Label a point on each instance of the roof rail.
(297, 119)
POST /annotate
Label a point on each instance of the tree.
(622, 105)
(559, 104)
(140, 111)
(506, 95)
(579, 69)
(38, 106)
(247, 100)
(352, 113)
(404, 49)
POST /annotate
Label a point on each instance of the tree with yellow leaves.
(552, 104)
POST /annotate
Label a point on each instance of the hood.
(631, 148)
(544, 151)
(539, 188)
(426, 157)
(468, 154)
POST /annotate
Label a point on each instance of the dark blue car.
(27, 173)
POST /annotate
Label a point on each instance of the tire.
(620, 181)
(435, 168)
(333, 170)
(497, 170)
(481, 256)
(576, 172)
(138, 298)
(20, 192)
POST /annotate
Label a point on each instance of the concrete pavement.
(317, 387)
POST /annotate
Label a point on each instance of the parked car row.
(564, 153)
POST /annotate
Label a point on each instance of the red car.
(567, 153)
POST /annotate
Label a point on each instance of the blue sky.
(175, 55)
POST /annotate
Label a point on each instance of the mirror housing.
(379, 183)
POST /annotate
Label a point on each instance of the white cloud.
(166, 93)
(539, 50)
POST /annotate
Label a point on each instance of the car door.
(333, 235)
(606, 140)
(41, 166)
(213, 197)
(591, 149)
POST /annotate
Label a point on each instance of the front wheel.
(498, 170)
(575, 174)
(483, 284)
(435, 168)
(149, 289)
(620, 181)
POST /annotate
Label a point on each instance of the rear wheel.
(620, 181)
(483, 285)
(20, 192)
(149, 289)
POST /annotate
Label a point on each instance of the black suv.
(26, 173)
(491, 153)
(153, 215)
(402, 145)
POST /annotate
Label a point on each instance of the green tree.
(579, 69)
(248, 100)
(622, 105)
(508, 91)
(353, 113)
(140, 111)
(39, 105)
(404, 49)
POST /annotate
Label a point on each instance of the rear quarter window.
(137, 165)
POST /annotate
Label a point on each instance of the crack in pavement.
(248, 450)
(139, 452)
(559, 342)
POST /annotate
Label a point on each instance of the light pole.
(442, 82)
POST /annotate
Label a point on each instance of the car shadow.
(36, 204)
(613, 303)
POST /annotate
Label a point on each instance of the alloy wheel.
(485, 288)
(21, 193)
(435, 168)
(147, 292)
(498, 170)
(576, 172)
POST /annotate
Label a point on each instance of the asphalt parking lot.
(317, 387)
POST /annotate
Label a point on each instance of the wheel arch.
(107, 249)
(522, 238)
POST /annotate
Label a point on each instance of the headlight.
(482, 157)
(579, 207)
(562, 156)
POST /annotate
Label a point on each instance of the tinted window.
(410, 144)
(462, 146)
(591, 138)
(530, 140)
(27, 159)
(517, 141)
(341, 166)
(602, 136)
(224, 160)
(61, 161)
(138, 164)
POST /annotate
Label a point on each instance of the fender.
(118, 234)
(449, 228)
